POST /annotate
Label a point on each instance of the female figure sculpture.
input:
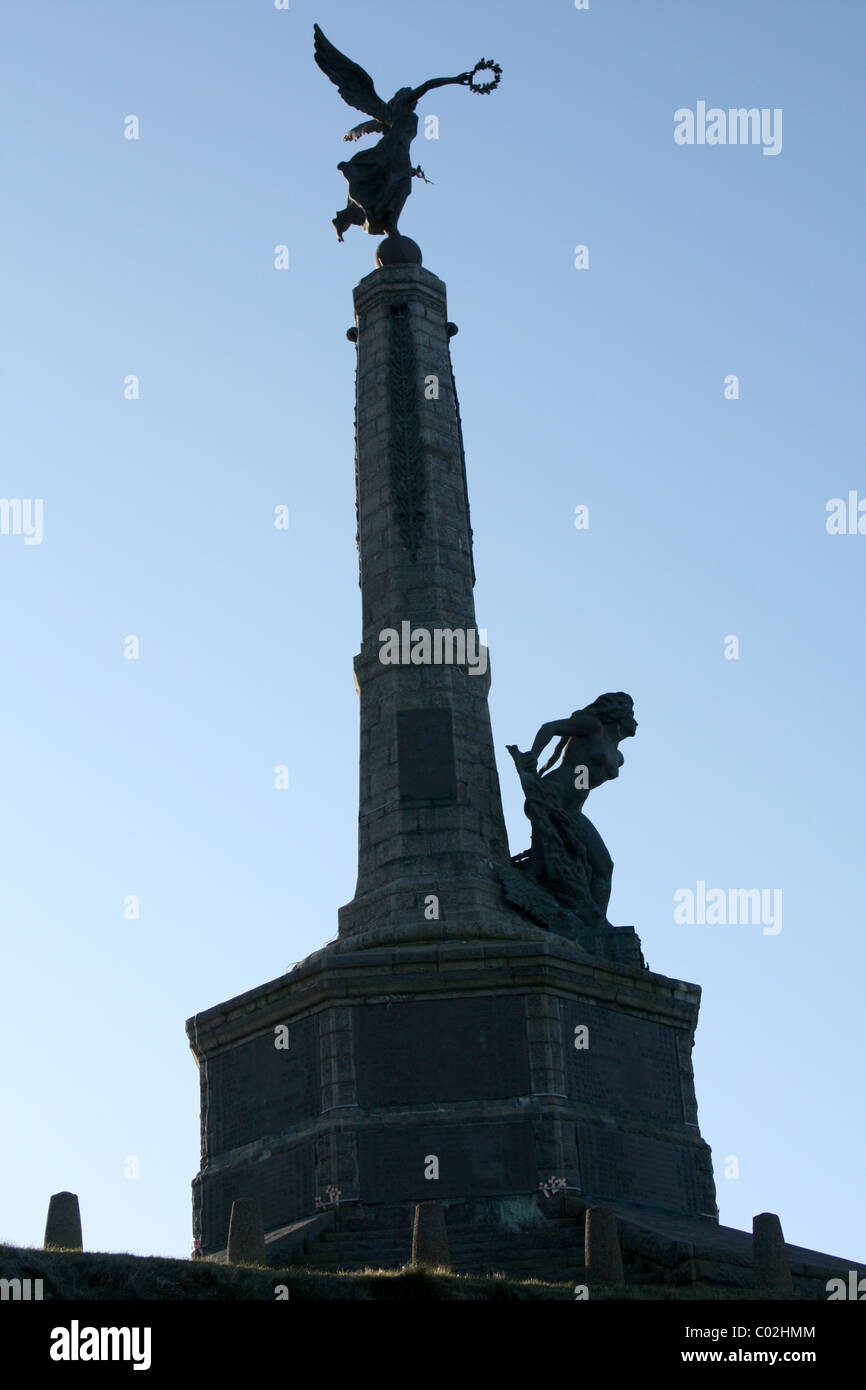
(568, 857)
(380, 179)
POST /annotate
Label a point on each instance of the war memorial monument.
(479, 1035)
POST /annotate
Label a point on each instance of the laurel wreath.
(484, 88)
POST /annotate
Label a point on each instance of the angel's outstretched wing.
(353, 83)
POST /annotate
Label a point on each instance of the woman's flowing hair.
(614, 708)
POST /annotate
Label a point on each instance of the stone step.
(468, 1240)
(482, 1254)
(491, 1259)
(528, 1243)
(543, 1269)
(385, 1258)
(553, 1251)
(492, 1250)
(549, 1230)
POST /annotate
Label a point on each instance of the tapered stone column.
(430, 813)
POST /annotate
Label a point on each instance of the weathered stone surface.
(472, 1158)
(432, 1050)
(461, 1050)
(602, 1254)
(280, 1176)
(246, 1244)
(63, 1226)
(425, 754)
(430, 1236)
(769, 1256)
(270, 1081)
(430, 821)
(649, 1084)
(620, 1164)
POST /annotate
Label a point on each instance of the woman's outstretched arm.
(425, 87)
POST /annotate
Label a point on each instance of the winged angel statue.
(380, 179)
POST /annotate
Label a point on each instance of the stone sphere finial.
(397, 250)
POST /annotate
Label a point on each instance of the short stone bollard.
(602, 1254)
(246, 1234)
(769, 1256)
(430, 1236)
(63, 1226)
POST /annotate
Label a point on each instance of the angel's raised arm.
(425, 87)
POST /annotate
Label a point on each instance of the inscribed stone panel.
(425, 1050)
(425, 752)
(257, 1089)
(633, 1168)
(630, 1063)
(475, 1160)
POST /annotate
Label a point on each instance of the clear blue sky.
(602, 387)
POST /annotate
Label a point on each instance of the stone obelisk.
(431, 829)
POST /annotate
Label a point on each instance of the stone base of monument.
(500, 1077)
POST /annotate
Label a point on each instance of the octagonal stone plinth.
(453, 1071)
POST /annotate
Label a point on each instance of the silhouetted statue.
(380, 179)
(568, 858)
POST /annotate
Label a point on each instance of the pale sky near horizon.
(601, 387)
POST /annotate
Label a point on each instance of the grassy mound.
(71, 1276)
